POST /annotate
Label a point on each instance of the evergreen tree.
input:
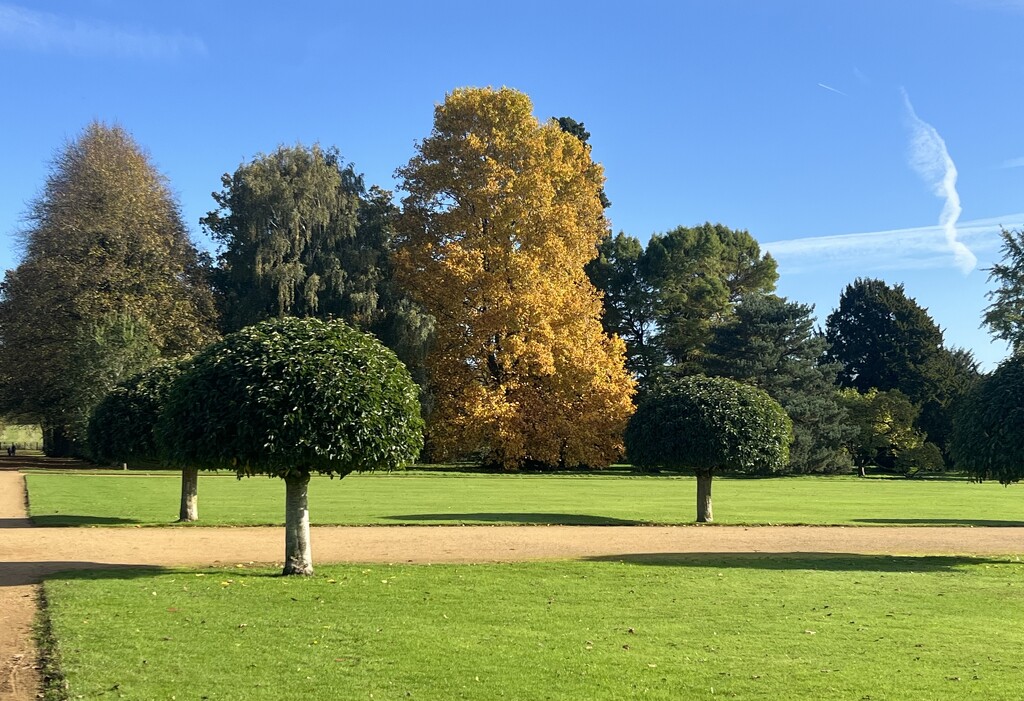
(884, 340)
(697, 275)
(109, 281)
(1005, 316)
(629, 302)
(771, 343)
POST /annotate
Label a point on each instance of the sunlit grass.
(418, 498)
(737, 627)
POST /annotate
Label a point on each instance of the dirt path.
(28, 554)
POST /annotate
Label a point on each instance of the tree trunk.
(298, 556)
(189, 510)
(861, 472)
(704, 514)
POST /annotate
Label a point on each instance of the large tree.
(708, 424)
(501, 215)
(288, 398)
(698, 274)
(109, 281)
(988, 436)
(885, 340)
(619, 272)
(1005, 315)
(771, 343)
(301, 235)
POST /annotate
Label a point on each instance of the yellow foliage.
(502, 214)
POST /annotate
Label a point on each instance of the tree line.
(531, 329)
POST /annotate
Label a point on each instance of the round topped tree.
(708, 424)
(122, 427)
(290, 397)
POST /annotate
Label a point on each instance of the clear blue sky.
(829, 130)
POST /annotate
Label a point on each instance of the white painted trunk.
(189, 510)
(298, 555)
(704, 514)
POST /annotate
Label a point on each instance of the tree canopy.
(988, 434)
(501, 215)
(290, 397)
(109, 281)
(708, 424)
(884, 340)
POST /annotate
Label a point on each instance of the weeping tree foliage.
(708, 424)
(886, 434)
(1005, 315)
(122, 427)
(109, 281)
(988, 434)
(302, 236)
(288, 398)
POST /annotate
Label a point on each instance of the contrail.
(930, 159)
(831, 89)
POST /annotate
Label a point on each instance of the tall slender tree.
(109, 281)
(501, 215)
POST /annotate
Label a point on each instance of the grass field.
(418, 498)
(740, 627)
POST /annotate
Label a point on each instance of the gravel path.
(28, 554)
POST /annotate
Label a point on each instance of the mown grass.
(685, 627)
(418, 498)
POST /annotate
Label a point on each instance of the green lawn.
(694, 627)
(418, 498)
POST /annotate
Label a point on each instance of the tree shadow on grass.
(56, 520)
(821, 562)
(13, 574)
(521, 518)
(981, 522)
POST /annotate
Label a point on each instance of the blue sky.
(852, 138)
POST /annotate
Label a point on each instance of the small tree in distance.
(290, 397)
(709, 424)
(122, 427)
(988, 433)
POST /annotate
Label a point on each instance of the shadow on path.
(524, 518)
(16, 574)
(60, 520)
(825, 562)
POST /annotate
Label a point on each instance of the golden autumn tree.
(501, 215)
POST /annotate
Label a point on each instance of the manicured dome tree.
(988, 431)
(290, 397)
(708, 424)
(122, 427)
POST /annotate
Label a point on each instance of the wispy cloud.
(1012, 163)
(831, 89)
(43, 31)
(895, 249)
(930, 159)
